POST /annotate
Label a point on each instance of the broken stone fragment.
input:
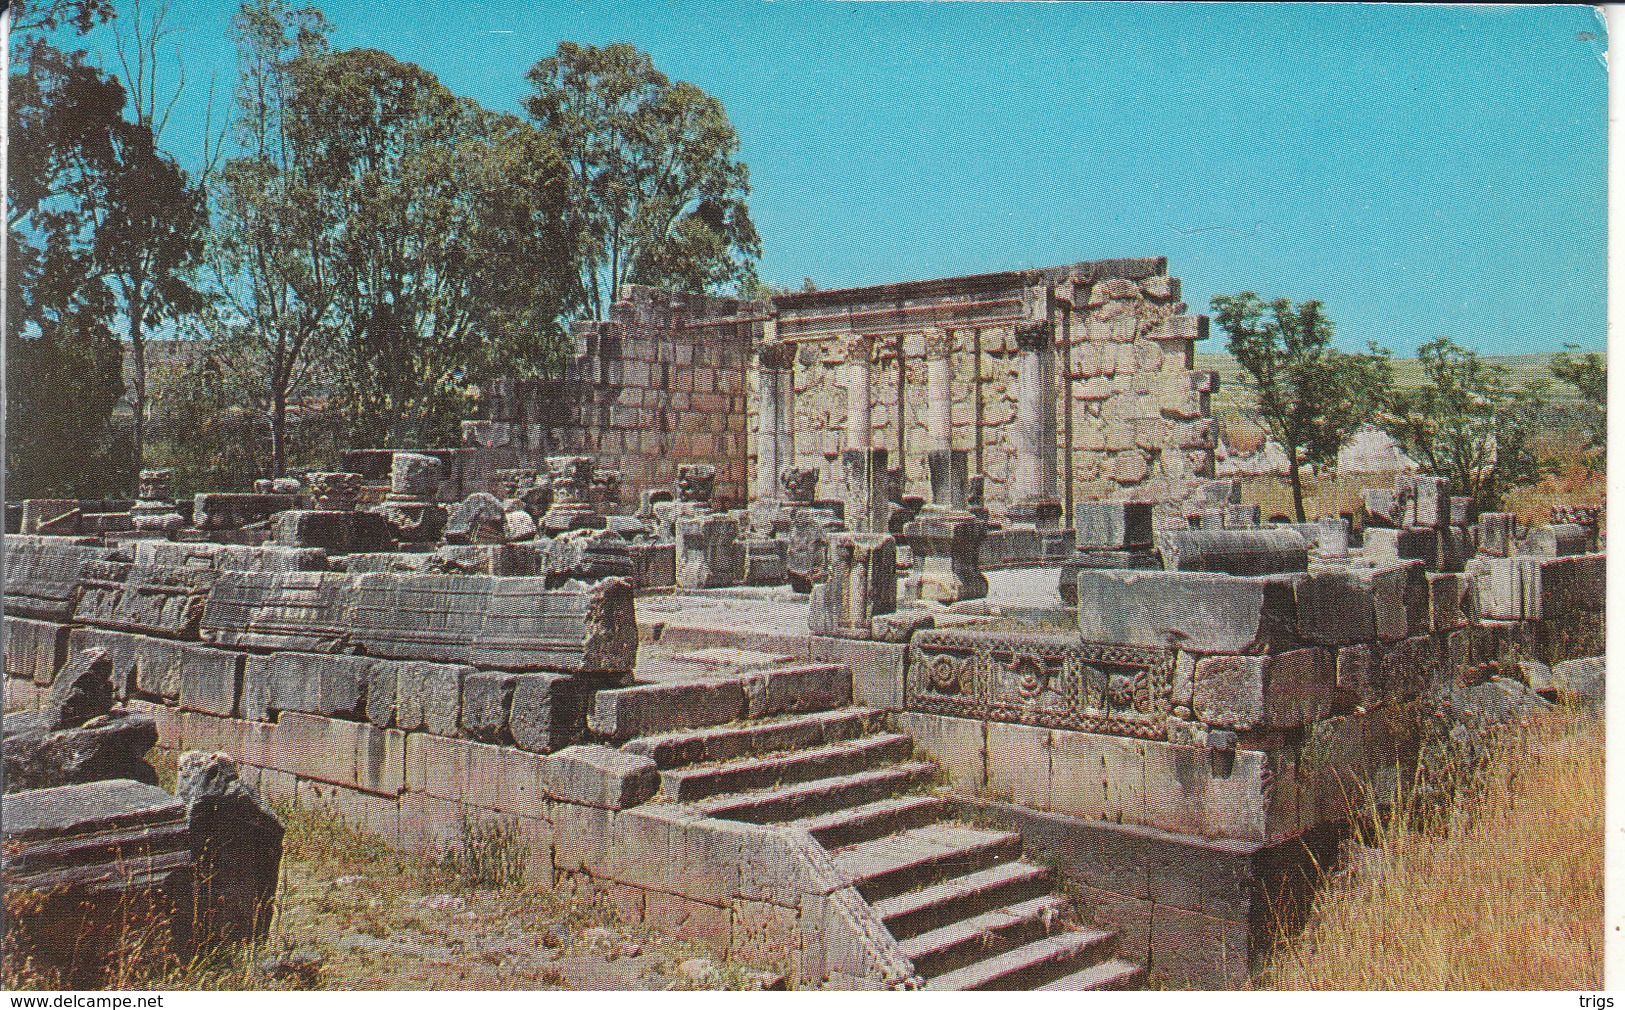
(236, 848)
(83, 690)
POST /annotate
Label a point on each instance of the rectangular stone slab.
(111, 835)
(42, 575)
(1202, 612)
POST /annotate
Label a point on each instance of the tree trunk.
(1297, 483)
(279, 432)
(138, 356)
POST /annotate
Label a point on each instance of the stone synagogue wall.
(672, 379)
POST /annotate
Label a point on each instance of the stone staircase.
(960, 902)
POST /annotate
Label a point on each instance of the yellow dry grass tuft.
(1502, 891)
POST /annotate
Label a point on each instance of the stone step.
(803, 799)
(724, 743)
(1028, 966)
(841, 828)
(958, 944)
(1114, 973)
(922, 856)
(914, 912)
(751, 773)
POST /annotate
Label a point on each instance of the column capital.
(859, 347)
(939, 343)
(1033, 335)
(776, 355)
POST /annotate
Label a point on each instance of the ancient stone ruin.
(740, 623)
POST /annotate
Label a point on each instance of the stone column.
(772, 423)
(949, 467)
(1032, 489)
(939, 388)
(858, 428)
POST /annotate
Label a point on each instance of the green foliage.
(487, 853)
(1310, 396)
(1468, 423)
(659, 197)
(274, 316)
(1588, 373)
(64, 364)
(441, 226)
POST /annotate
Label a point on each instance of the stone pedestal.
(414, 479)
(1496, 531)
(571, 508)
(945, 546)
(1334, 538)
(862, 584)
(709, 553)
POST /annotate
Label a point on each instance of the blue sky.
(1421, 170)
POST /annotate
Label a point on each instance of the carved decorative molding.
(1041, 679)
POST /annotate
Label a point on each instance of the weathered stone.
(1357, 676)
(210, 680)
(1461, 510)
(81, 692)
(428, 696)
(518, 525)
(646, 709)
(1068, 582)
(503, 623)
(1557, 540)
(1448, 603)
(1113, 526)
(1333, 538)
(217, 511)
(477, 519)
(709, 553)
(236, 848)
(1234, 552)
(35, 650)
(334, 532)
(653, 565)
(1385, 546)
(1265, 692)
(1585, 679)
(545, 713)
(765, 562)
(92, 853)
(1432, 502)
(1204, 612)
(945, 548)
(862, 583)
(1335, 608)
(412, 475)
(110, 746)
(1383, 506)
(593, 776)
(487, 701)
(307, 682)
(1496, 532)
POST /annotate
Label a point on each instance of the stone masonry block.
(797, 689)
(35, 649)
(315, 683)
(1205, 612)
(1265, 692)
(657, 708)
(545, 713)
(211, 680)
(353, 754)
(594, 776)
(428, 696)
(487, 699)
(1335, 608)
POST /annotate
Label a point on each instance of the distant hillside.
(1233, 397)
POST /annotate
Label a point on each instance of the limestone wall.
(660, 384)
(1130, 415)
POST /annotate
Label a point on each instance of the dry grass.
(372, 917)
(1502, 891)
